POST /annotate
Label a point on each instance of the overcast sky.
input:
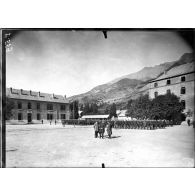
(73, 62)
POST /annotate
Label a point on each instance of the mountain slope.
(146, 73)
(108, 92)
(128, 86)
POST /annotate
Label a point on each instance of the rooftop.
(95, 116)
(35, 96)
(177, 70)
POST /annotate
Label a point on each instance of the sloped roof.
(177, 70)
(36, 96)
(95, 116)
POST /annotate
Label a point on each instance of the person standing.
(188, 121)
(96, 129)
(109, 129)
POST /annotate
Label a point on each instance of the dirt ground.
(56, 146)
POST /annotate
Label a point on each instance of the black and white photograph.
(92, 98)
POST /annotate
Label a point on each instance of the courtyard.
(44, 145)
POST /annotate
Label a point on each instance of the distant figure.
(63, 123)
(96, 129)
(102, 129)
(42, 121)
(109, 129)
(55, 122)
(188, 121)
(50, 122)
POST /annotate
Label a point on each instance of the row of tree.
(162, 107)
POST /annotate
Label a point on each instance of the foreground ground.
(57, 146)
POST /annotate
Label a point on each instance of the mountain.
(129, 86)
(146, 73)
(108, 92)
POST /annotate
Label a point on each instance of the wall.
(175, 88)
(43, 111)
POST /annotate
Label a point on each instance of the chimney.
(39, 94)
(21, 91)
(64, 96)
(11, 89)
(30, 92)
(53, 95)
(165, 72)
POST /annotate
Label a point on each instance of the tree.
(162, 107)
(94, 108)
(139, 108)
(166, 107)
(81, 107)
(113, 111)
(74, 108)
(129, 103)
(90, 108)
(9, 108)
(86, 109)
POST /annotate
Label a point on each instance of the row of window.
(183, 79)
(49, 116)
(49, 106)
(182, 91)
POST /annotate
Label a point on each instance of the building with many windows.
(37, 107)
(178, 80)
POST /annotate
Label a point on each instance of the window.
(63, 116)
(155, 84)
(19, 116)
(29, 105)
(38, 106)
(19, 105)
(168, 91)
(49, 116)
(155, 94)
(183, 90)
(63, 107)
(49, 107)
(168, 82)
(183, 102)
(183, 79)
(38, 116)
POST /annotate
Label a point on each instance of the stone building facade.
(178, 80)
(37, 107)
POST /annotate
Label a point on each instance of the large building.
(37, 107)
(178, 80)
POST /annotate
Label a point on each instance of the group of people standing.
(100, 126)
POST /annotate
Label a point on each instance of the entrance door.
(29, 117)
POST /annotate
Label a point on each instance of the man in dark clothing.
(188, 121)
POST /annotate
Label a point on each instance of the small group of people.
(100, 126)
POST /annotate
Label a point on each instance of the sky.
(73, 62)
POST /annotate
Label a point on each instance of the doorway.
(29, 117)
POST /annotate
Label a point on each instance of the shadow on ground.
(112, 137)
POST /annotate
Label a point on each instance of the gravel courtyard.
(56, 146)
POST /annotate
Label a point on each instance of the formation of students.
(117, 124)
